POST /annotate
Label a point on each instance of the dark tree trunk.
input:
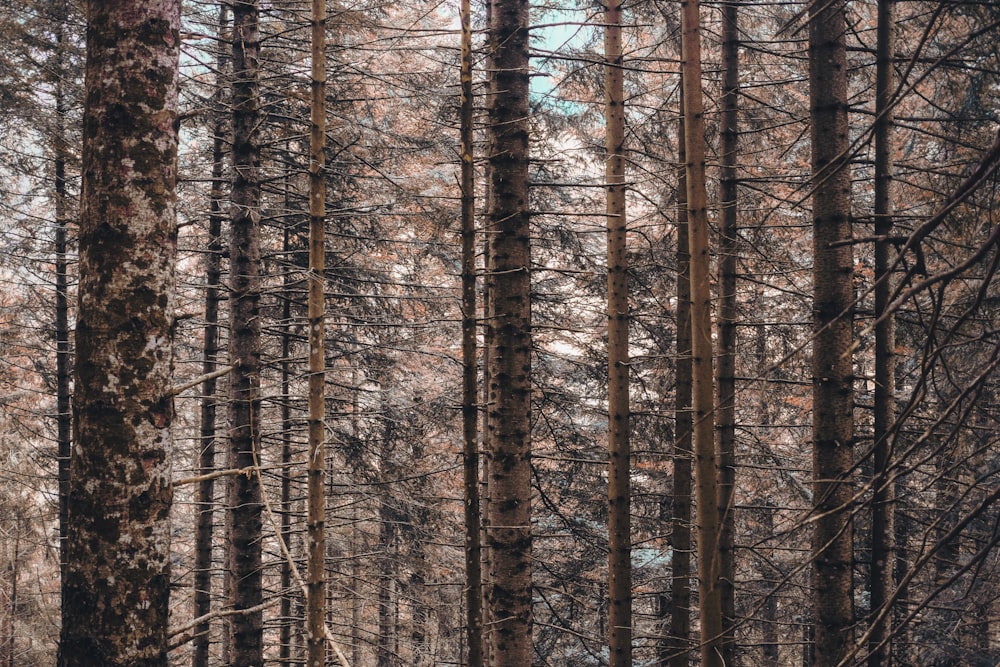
(678, 645)
(117, 561)
(244, 548)
(205, 495)
(883, 498)
(726, 371)
(833, 376)
(509, 408)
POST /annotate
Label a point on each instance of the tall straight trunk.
(619, 453)
(883, 498)
(726, 372)
(509, 407)
(702, 390)
(470, 404)
(316, 498)
(287, 446)
(244, 343)
(64, 420)
(205, 494)
(117, 562)
(679, 640)
(832, 367)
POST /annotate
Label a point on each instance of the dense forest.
(499, 333)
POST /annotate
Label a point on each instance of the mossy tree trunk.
(117, 561)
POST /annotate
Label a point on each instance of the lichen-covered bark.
(117, 549)
(509, 408)
(833, 372)
(244, 548)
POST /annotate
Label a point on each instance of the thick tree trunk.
(118, 541)
(205, 495)
(316, 520)
(470, 403)
(833, 377)
(619, 452)
(726, 372)
(509, 407)
(678, 643)
(883, 498)
(244, 343)
(702, 390)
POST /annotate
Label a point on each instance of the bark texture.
(244, 548)
(833, 378)
(117, 564)
(619, 450)
(509, 408)
(726, 370)
(702, 389)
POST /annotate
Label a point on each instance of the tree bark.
(619, 452)
(509, 408)
(703, 398)
(726, 371)
(205, 495)
(883, 497)
(117, 563)
(244, 342)
(678, 645)
(316, 520)
(470, 404)
(832, 366)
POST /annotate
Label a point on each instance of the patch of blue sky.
(556, 32)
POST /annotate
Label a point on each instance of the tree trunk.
(833, 391)
(619, 453)
(316, 520)
(470, 404)
(244, 343)
(883, 499)
(678, 645)
(205, 495)
(726, 372)
(702, 391)
(118, 540)
(509, 408)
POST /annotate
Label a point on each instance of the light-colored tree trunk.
(245, 509)
(619, 451)
(702, 390)
(117, 562)
(832, 366)
(316, 497)
(509, 408)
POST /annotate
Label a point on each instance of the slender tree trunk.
(316, 521)
(703, 398)
(116, 597)
(833, 377)
(244, 343)
(726, 372)
(679, 641)
(883, 498)
(287, 447)
(509, 409)
(619, 453)
(64, 420)
(205, 494)
(470, 404)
